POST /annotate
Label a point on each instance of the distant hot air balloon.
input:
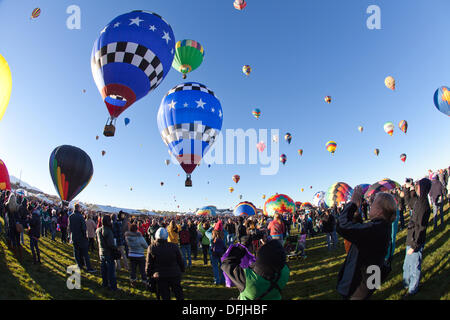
(189, 119)
(337, 193)
(302, 189)
(188, 56)
(35, 13)
(162, 183)
(236, 178)
(5, 183)
(131, 57)
(256, 113)
(127, 121)
(240, 196)
(328, 99)
(288, 137)
(231, 189)
(96, 138)
(360, 129)
(246, 70)
(261, 146)
(403, 157)
(131, 189)
(390, 82)
(167, 162)
(275, 138)
(331, 146)
(84, 90)
(283, 159)
(403, 125)
(377, 152)
(300, 152)
(240, 4)
(389, 128)
(263, 196)
(441, 100)
(103, 152)
(71, 171)
(5, 85)
(279, 203)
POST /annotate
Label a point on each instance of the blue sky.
(300, 51)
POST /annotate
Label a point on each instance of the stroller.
(295, 246)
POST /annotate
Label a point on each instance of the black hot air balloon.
(71, 171)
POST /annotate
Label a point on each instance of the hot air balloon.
(306, 206)
(288, 137)
(131, 57)
(300, 152)
(246, 70)
(389, 128)
(245, 209)
(236, 178)
(207, 211)
(5, 183)
(331, 147)
(380, 186)
(403, 125)
(131, 189)
(162, 183)
(263, 196)
(337, 193)
(441, 100)
(96, 138)
(5, 85)
(403, 157)
(189, 119)
(103, 152)
(167, 162)
(279, 203)
(35, 13)
(261, 146)
(298, 204)
(390, 82)
(302, 189)
(377, 152)
(188, 56)
(360, 129)
(328, 99)
(231, 189)
(318, 198)
(84, 90)
(283, 159)
(256, 113)
(71, 171)
(240, 196)
(240, 4)
(364, 187)
(127, 121)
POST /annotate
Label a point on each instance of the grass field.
(311, 278)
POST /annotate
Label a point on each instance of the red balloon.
(5, 184)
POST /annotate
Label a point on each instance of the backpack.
(185, 237)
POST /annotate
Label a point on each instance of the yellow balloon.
(5, 85)
(390, 82)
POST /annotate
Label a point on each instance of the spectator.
(106, 246)
(78, 229)
(137, 247)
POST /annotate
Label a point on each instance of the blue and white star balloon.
(189, 119)
(131, 57)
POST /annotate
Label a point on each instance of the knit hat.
(162, 234)
(218, 226)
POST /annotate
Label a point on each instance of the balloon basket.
(109, 130)
(188, 182)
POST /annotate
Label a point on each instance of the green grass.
(311, 278)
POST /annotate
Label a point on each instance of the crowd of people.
(250, 253)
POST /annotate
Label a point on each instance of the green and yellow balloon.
(188, 56)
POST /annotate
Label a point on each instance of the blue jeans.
(186, 254)
(217, 271)
(108, 269)
(412, 267)
(438, 206)
(80, 251)
(230, 239)
(331, 240)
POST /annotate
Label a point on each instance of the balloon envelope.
(331, 146)
(5, 183)
(236, 178)
(318, 197)
(380, 186)
(389, 128)
(390, 82)
(189, 119)
(279, 203)
(337, 193)
(5, 85)
(188, 56)
(441, 100)
(71, 171)
(261, 146)
(246, 70)
(131, 57)
(207, 211)
(403, 125)
(245, 208)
